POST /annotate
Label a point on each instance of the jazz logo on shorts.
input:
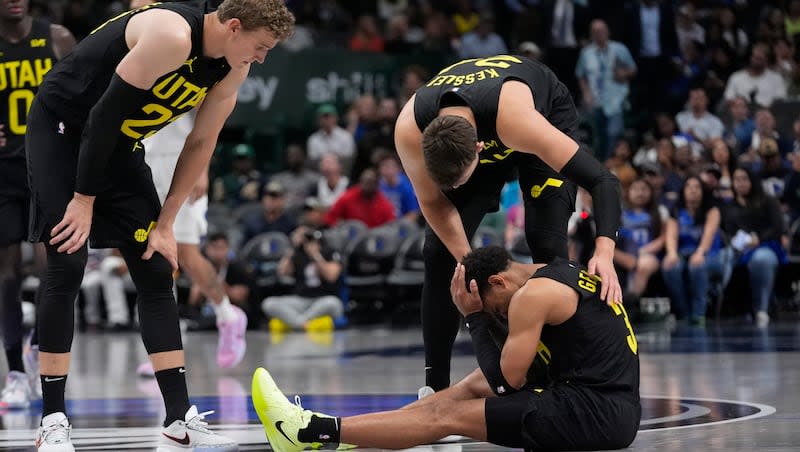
(141, 235)
(537, 190)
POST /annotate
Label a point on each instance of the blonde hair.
(254, 14)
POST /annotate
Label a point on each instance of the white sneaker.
(17, 392)
(762, 319)
(30, 356)
(424, 391)
(193, 434)
(53, 435)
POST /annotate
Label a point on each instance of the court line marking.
(765, 410)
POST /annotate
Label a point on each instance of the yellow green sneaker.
(282, 420)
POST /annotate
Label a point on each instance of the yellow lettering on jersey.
(537, 190)
(500, 61)
(498, 157)
(41, 42)
(188, 89)
(489, 144)
(633, 344)
(26, 75)
(195, 100)
(159, 92)
(544, 353)
(42, 67)
(492, 73)
(12, 67)
(588, 282)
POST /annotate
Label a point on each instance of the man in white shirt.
(162, 152)
(331, 138)
(756, 82)
(698, 123)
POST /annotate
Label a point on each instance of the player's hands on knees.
(73, 230)
(466, 301)
(162, 240)
(602, 265)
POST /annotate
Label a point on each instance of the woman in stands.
(692, 239)
(641, 237)
(754, 222)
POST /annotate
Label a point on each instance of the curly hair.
(482, 263)
(254, 14)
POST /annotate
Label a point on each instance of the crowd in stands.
(692, 104)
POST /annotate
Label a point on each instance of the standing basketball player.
(460, 137)
(28, 49)
(555, 316)
(162, 152)
(129, 78)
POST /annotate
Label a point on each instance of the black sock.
(321, 430)
(14, 357)
(176, 397)
(53, 394)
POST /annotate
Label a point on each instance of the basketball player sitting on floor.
(556, 316)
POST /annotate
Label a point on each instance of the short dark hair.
(216, 236)
(448, 147)
(482, 263)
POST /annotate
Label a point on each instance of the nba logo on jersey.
(61, 128)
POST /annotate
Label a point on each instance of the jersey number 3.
(589, 283)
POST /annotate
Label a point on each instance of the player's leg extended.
(473, 386)
(290, 428)
(440, 318)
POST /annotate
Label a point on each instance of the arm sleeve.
(587, 172)
(101, 132)
(487, 353)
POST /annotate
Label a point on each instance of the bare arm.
(285, 266)
(63, 41)
(521, 127)
(671, 237)
(201, 142)
(437, 209)
(539, 302)
(710, 229)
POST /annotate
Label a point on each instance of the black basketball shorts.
(125, 210)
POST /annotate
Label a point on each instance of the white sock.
(224, 310)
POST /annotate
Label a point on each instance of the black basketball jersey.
(596, 347)
(23, 66)
(476, 83)
(79, 80)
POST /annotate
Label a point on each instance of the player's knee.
(157, 276)
(65, 271)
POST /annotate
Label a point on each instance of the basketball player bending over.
(554, 312)
(129, 78)
(460, 138)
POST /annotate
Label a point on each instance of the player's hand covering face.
(467, 302)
